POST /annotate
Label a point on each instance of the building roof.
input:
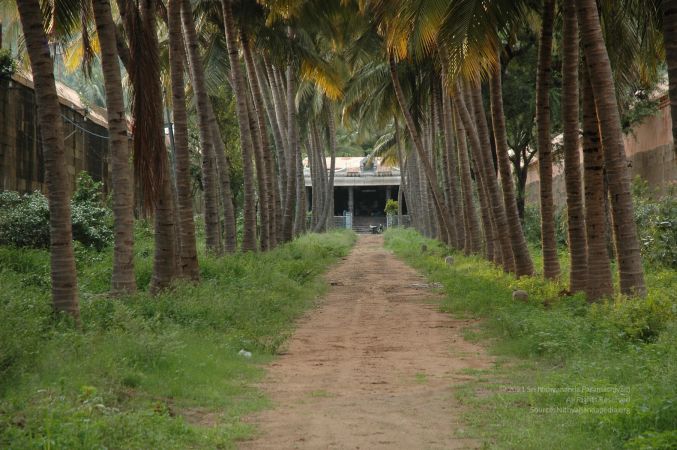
(353, 171)
(69, 98)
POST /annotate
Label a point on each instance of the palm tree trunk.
(578, 270)
(150, 152)
(438, 198)
(188, 249)
(601, 79)
(485, 164)
(472, 241)
(599, 283)
(223, 171)
(292, 147)
(452, 171)
(261, 175)
(274, 165)
(549, 242)
(240, 92)
(301, 206)
(209, 174)
(62, 259)
(123, 279)
(523, 262)
(280, 120)
(443, 161)
(329, 205)
(670, 41)
(493, 249)
(266, 150)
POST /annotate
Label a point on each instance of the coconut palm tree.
(598, 276)
(578, 268)
(123, 279)
(187, 256)
(150, 153)
(246, 143)
(62, 259)
(437, 196)
(606, 104)
(472, 242)
(485, 164)
(269, 203)
(548, 240)
(523, 262)
(208, 141)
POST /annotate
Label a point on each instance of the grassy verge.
(148, 372)
(567, 374)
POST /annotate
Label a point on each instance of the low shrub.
(656, 217)
(24, 220)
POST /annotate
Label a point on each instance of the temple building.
(361, 188)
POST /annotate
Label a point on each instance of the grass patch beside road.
(568, 374)
(149, 372)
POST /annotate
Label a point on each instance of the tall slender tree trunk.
(280, 119)
(670, 42)
(274, 156)
(428, 169)
(188, 249)
(123, 279)
(549, 242)
(578, 270)
(289, 211)
(209, 174)
(598, 277)
(223, 171)
(329, 205)
(267, 151)
(606, 104)
(261, 175)
(442, 159)
(240, 92)
(62, 259)
(301, 205)
(150, 153)
(486, 164)
(452, 170)
(523, 262)
(472, 242)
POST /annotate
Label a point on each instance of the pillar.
(351, 202)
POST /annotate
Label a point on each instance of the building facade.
(21, 160)
(361, 188)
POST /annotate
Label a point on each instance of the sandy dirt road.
(373, 366)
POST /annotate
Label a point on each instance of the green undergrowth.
(568, 374)
(148, 372)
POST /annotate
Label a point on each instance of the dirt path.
(374, 366)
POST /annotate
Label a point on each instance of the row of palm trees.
(447, 53)
(298, 69)
(264, 86)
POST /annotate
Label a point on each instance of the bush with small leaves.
(24, 220)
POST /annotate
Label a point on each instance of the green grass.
(148, 372)
(557, 355)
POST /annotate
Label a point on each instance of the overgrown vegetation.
(148, 372)
(568, 374)
(7, 64)
(24, 219)
(655, 215)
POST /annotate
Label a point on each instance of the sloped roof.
(69, 98)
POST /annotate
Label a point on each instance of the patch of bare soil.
(374, 366)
